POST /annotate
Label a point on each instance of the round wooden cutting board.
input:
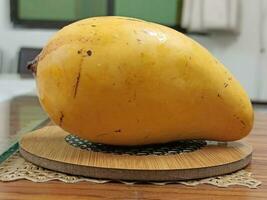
(48, 148)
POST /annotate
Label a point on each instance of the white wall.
(11, 39)
(263, 58)
(240, 53)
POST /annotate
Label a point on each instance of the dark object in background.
(26, 54)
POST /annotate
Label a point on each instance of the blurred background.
(235, 31)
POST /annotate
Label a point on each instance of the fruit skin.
(124, 81)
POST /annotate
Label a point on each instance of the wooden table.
(57, 190)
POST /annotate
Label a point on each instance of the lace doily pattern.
(16, 168)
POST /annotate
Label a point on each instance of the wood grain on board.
(57, 190)
(53, 152)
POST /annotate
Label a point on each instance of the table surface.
(16, 112)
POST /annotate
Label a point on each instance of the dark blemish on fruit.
(242, 122)
(230, 78)
(89, 52)
(127, 43)
(138, 40)
(61, 118)
(147, 136)
(235, 116)
(77, 84)
(117, 131)
(93, 25)
(225, 85)
(218, 95)
(202, 96)
(79, 51)
(134, 96)
(113, 84)
(32, 65)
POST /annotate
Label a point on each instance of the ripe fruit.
(124, 81)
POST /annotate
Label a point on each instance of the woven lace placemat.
(16, 168)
